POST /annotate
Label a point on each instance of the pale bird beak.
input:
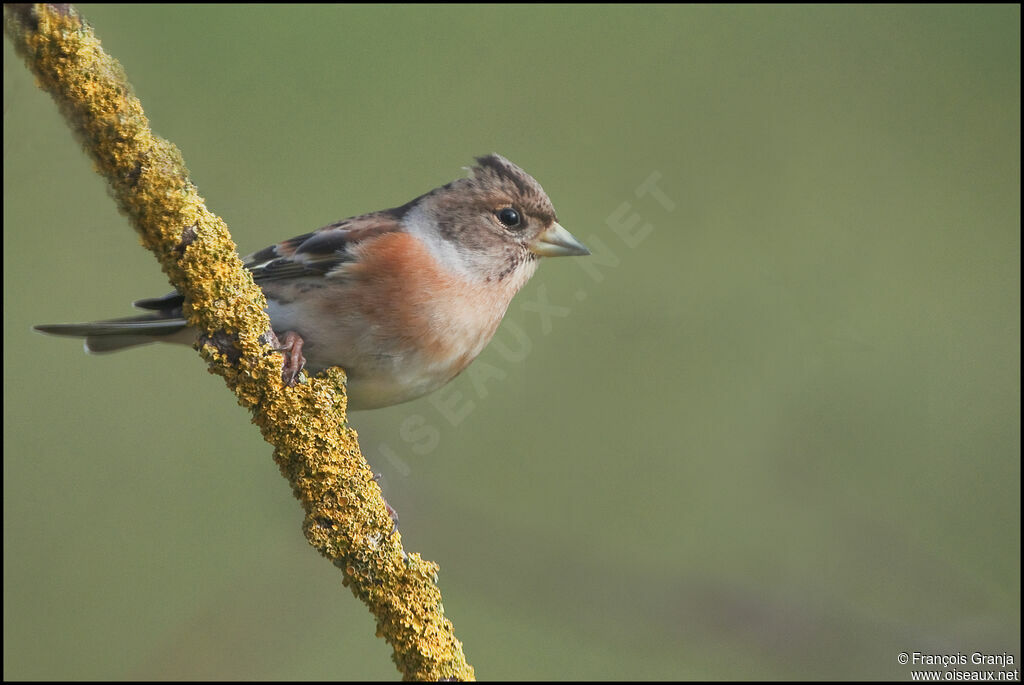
(555, 241)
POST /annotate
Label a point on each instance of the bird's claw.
(294, 361)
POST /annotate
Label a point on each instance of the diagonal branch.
(346, 518)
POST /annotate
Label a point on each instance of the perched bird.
(402, 299)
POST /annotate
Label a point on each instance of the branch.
(346, 518)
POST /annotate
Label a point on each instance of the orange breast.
(421, 306)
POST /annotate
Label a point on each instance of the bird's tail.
(165, 324)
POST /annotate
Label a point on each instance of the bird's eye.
(509, 217)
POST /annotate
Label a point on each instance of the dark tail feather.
(167, 304)
(117, 334)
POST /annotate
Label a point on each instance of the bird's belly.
(381, 377)
(374, 391)
(392, 353)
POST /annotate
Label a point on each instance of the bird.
(403, 299)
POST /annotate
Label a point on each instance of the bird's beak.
(555, 241)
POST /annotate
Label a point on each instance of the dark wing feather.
(314, 254)
(318, 254)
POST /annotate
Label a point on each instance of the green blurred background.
(769, 430)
